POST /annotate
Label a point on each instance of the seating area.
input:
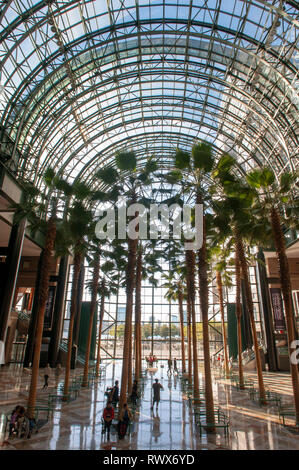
(239, 421)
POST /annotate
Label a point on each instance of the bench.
(221, 422)
(248, 384)
(286, 411)
(271, 397)
(60, 397)
(49, 409)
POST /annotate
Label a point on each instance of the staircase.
(80, 357)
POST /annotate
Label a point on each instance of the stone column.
(12, 264)
(265, 307)
(33, 318)
(58, 314)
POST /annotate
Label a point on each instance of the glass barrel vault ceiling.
(81, 79)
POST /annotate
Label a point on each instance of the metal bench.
(60, 397)
(286, 411)
(271, 397)
(221, 422)
(248, 384)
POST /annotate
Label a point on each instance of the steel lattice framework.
(81, 79)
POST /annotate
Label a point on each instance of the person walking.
(157, 387)
(175, 367)
(169, 366)
(115, 393)
(46, 376)
(134, 394)
(108, 416)
(125, 416)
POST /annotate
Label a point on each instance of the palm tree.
(176, 285)
(190, 279)
(137, 335)
(35, 208)
(199, 165)
(109, 285)
(239, 317)
(181, 297)
(102, 289)
(277, 199)
(73, 233)
(129, 183)
(219, 260)
(42, 300)
(222, 247)
(94, 293)
(234, 210)
(112, 279)
(147, 267)
(176, 292)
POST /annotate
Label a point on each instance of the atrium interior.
(149, 224)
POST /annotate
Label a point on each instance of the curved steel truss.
(80, 79)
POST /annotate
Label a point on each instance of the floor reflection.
(77, 425)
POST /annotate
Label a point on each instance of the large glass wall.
(160, 323)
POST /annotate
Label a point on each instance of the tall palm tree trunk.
(43, 297)
(140, 347)
(138, 315)
(74, 302)
(102, 309)
(131, 283)
(189, 340)
(180, 299)
(285, 282)
(93, 305)
(130, 365)
(248, 296)
(239, 317)
(190, 265)
(204, 305)
(130, 278)
(221, 304)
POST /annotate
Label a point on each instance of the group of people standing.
(175, 366)
(124, 416)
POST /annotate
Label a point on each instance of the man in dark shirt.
(169, 366)
(157, 387)
(115, 393)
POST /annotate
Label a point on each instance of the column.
(33, 318)
(265, 307)
(79, 303)
(58, 314)
(14, 253)
(245, 314)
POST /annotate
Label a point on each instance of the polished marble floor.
(77, 425)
